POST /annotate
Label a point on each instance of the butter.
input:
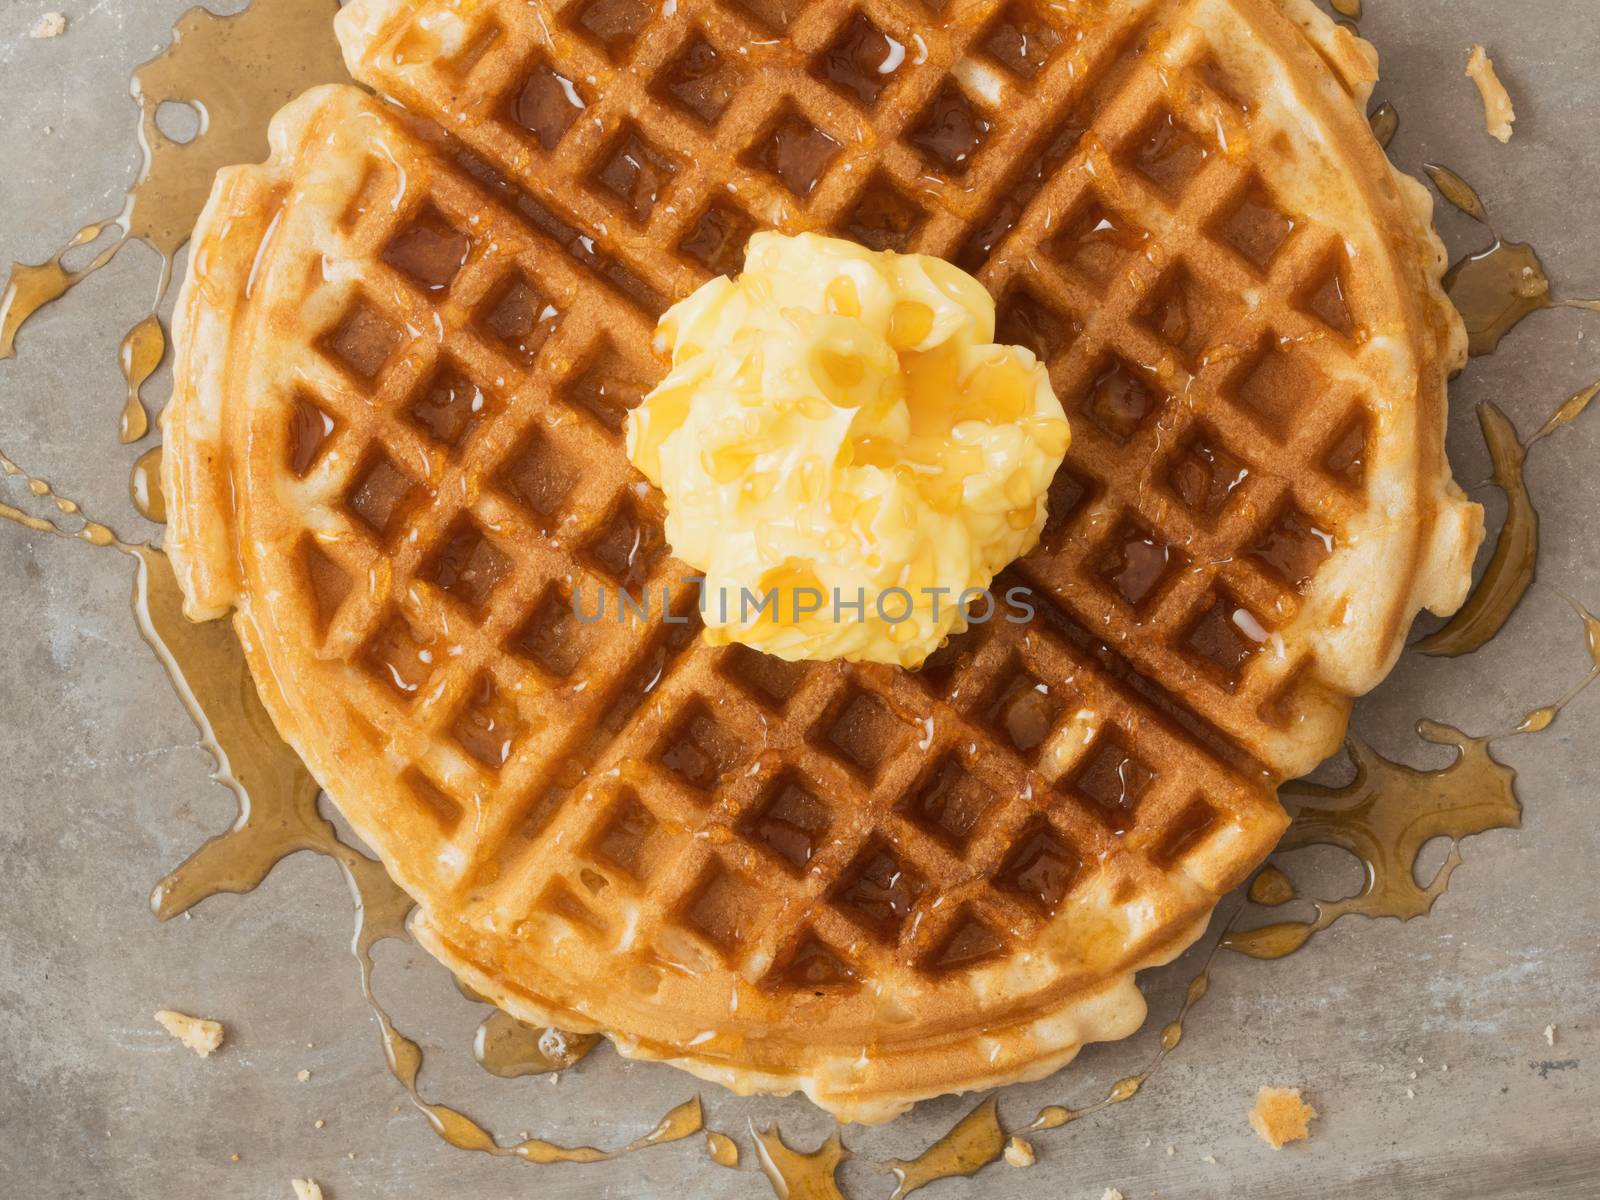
(844, 450)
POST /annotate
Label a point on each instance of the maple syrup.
(1498, 288)
(1385, 122)
(796, 1175)
(1053, 1116)
(971, 1144)
(144, 487)
(1516, 552)
(30, 288)
(140, 354)
(1384, 816)
(1540, 719)
(1495, 290)
(507, 1047)
(238, 70)
(722, 1149)
(279, 816)
(1271, 888)
(241, 68)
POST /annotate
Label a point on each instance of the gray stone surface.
(102, 789)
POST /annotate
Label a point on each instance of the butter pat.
(844, 450)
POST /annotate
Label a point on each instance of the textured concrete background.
(102, 789)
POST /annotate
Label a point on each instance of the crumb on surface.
(49, 25)
(1209, 1159)
(1280, 1116)
(1019, 1152)
(1498, 114)
(1549, 1035)
(197, 1033)
(319, 1123)
(306, 1189)
(1111, 1194)
(302, 1075)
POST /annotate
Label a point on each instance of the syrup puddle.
(799, 1176)
(506, 1047)
(1384, 816)
(1515, 559)
(1388, 812)
(236, 71)
(972, 1143)
(722, 1149)
(1385, 122)
(1495, 290)
(1498, 288)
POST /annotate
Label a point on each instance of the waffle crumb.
(50, 25)
(197, 1033)
(1549, 1035)
(301, 1076)
(319, 1123)
(1498, 114)
(306, 1189)
(1019, 1153)
(1111, 1194)
(1281, 1116)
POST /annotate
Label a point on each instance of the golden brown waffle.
(405, 353)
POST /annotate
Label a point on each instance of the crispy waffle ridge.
(405, 352)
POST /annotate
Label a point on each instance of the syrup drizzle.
(30, 288)
(796, 1175)
(140, 354)
(1053, 1116)
(1540, 719)
(1270, 888)
(1495, 290)
(1569, 411)
(721, 1149)
(1515, 560)
(971, 1144)
(1385, 122)
(509, 1048)
(1384, 816)
(236, 70)
(144, 487)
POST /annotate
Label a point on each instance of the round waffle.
(405, 351)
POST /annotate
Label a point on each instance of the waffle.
(405, 352)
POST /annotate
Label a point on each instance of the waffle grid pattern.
(926, 819)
